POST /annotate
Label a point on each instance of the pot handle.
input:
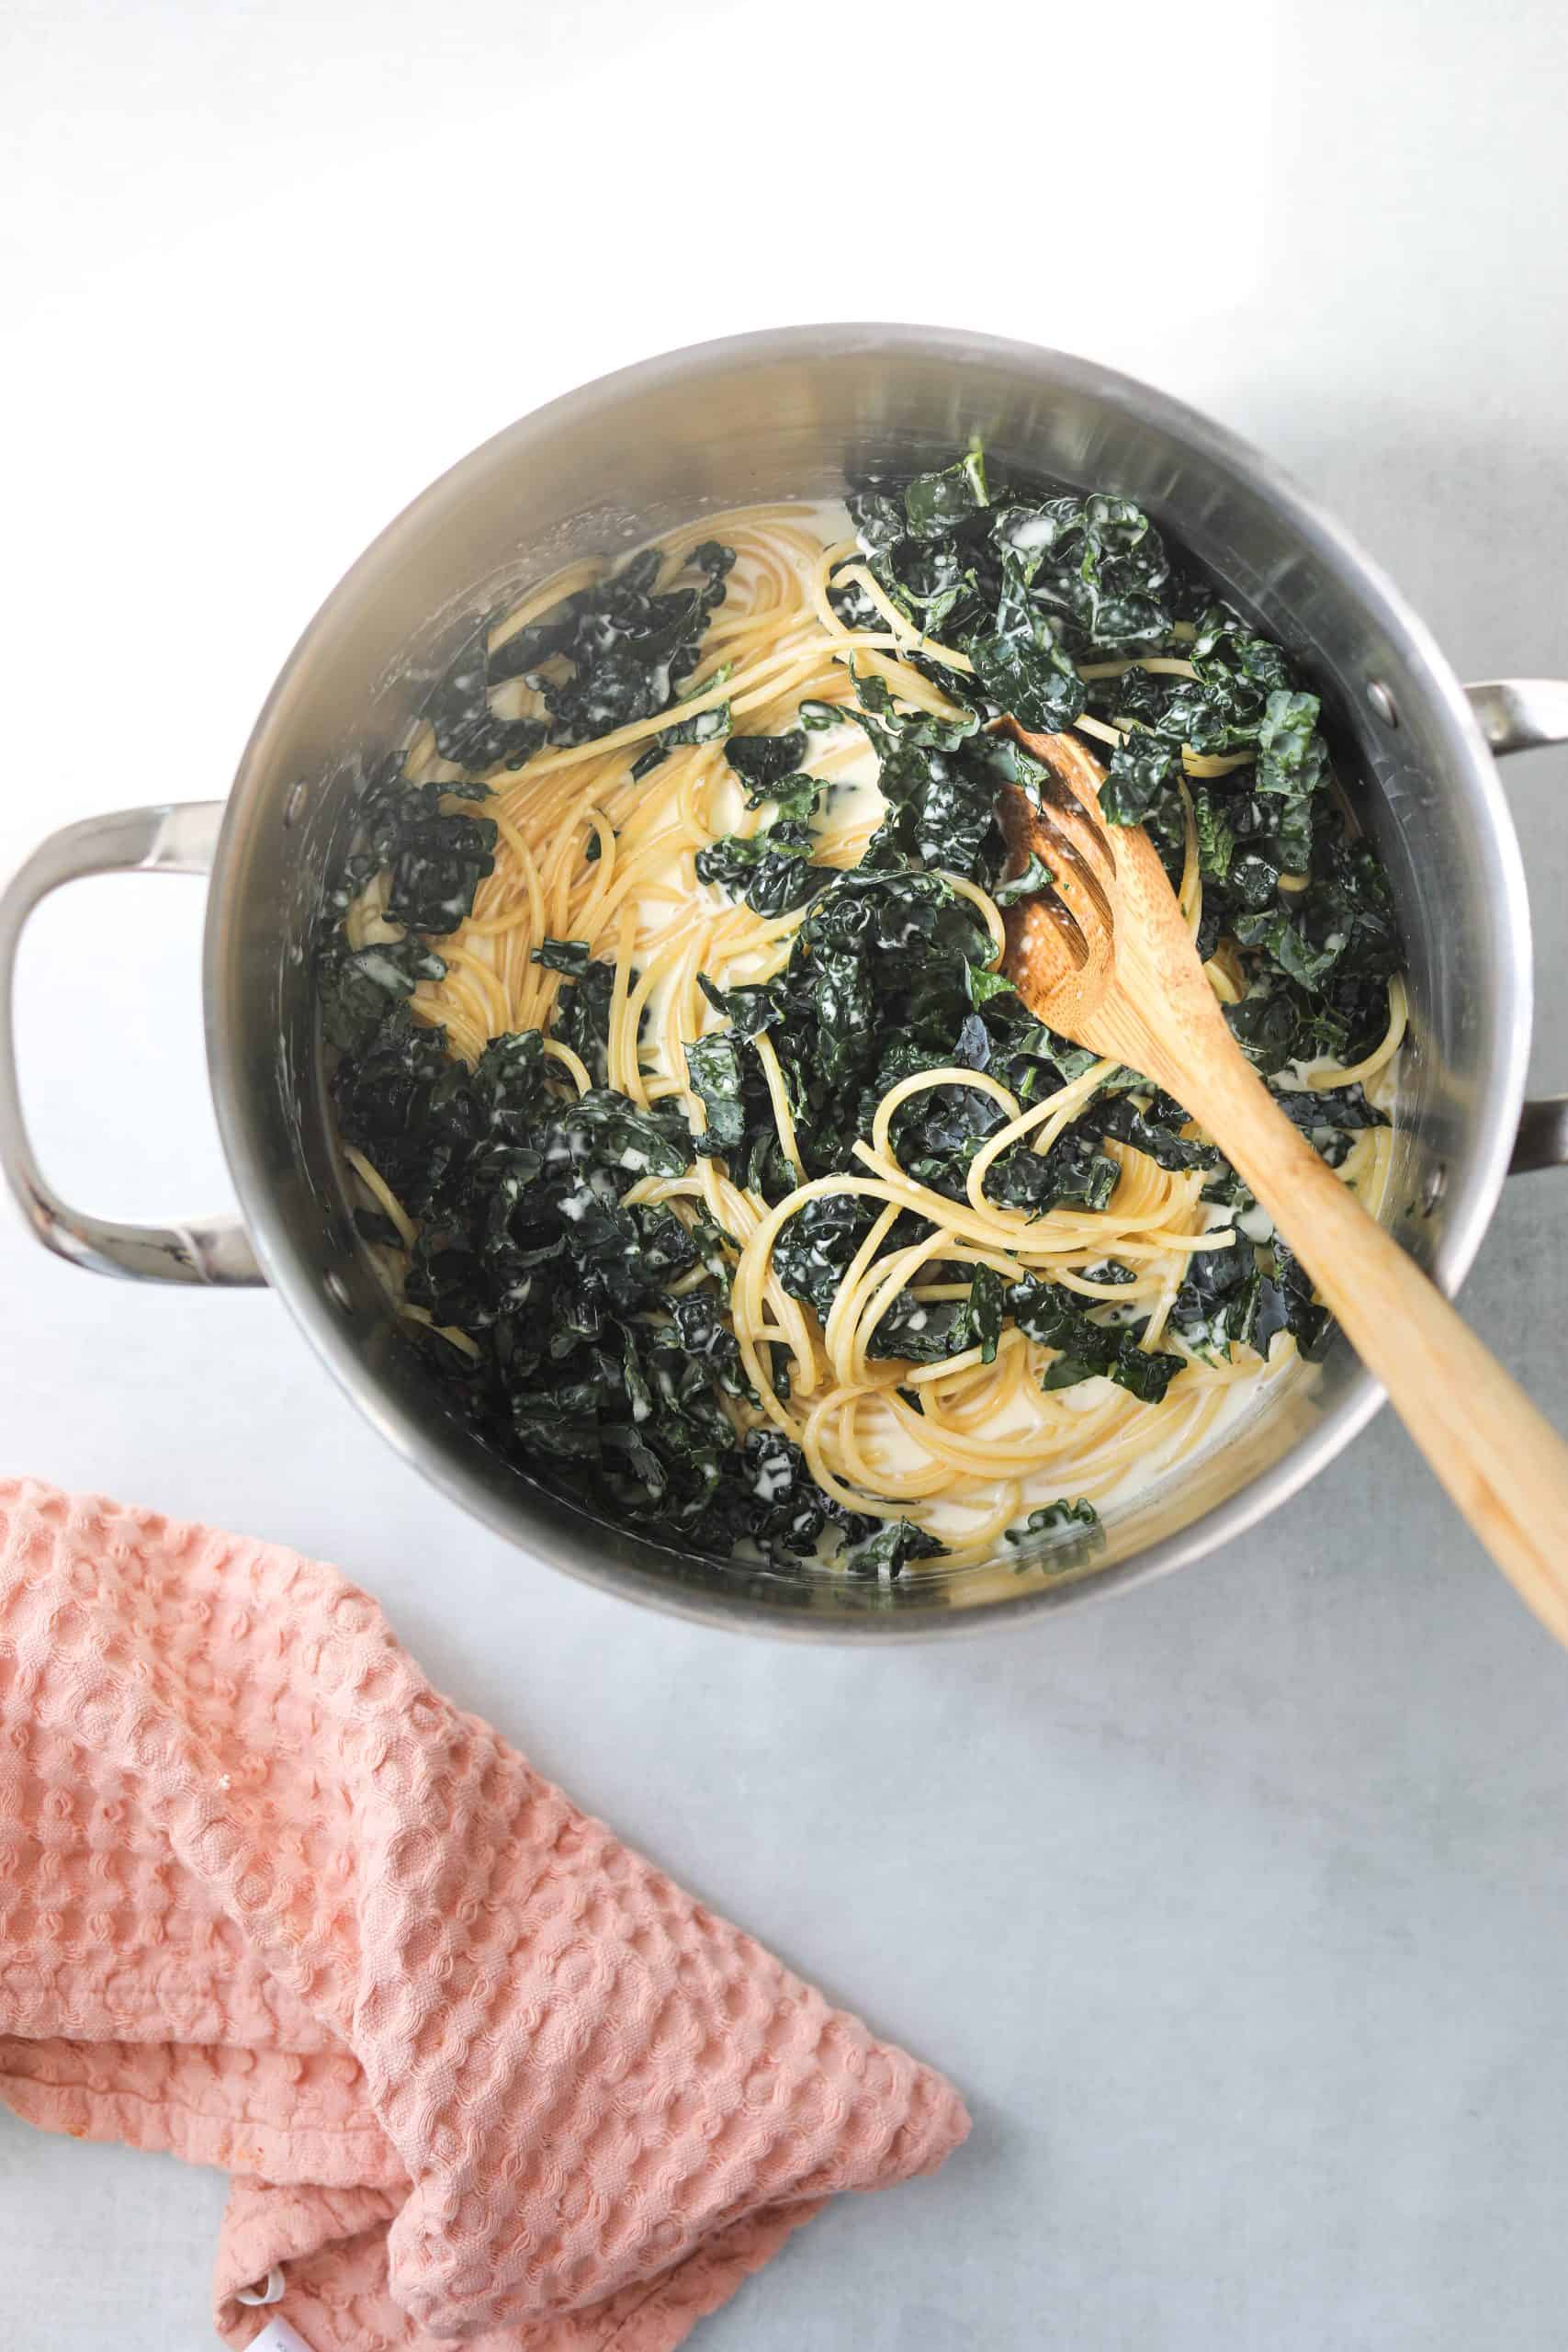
(1520, 715)
(178, 840)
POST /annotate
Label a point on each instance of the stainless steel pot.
(784, 415)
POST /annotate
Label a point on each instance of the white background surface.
(1238, 1909)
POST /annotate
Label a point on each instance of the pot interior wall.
(794, 415)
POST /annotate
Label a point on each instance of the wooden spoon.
(1105, 957)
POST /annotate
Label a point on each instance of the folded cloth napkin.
(269, 1901)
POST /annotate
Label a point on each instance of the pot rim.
(1323, 538)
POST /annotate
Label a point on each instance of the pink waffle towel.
(270, 1902)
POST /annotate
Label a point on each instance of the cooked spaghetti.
(706, 1146)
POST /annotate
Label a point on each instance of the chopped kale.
(568, 956)
(762, 759)
(1059, 1537)
(934, 503)
(1154, 1130)
(1035, 877)
(435, 858)
(465, 728)
(1086, 1348)
(1141, 769)
(1024, 665)
(359, 986)
(1035, 588)
(885, 1554)
(583, 1018)
(814, 1246)
(606, 1362)
(771, 871)
(714, 1066)
(709, 725)
(1051, 1516)
(630, 644)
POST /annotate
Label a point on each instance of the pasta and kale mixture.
(709, 1151)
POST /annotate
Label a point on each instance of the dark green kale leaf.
(1227, 654)
(1343, 919)
(1225, 706)
(631, 645)
(1351, 888)
(1246, 845)
(881, 956)
(1265, 1025)
(714, 1065)
(435, 860)
(851, 605)
(982, 984)
(771, 871)
(1290, 754)
(1288, 945)
(1335, 1110)
(941, 781)
(1052, 1516)
(1154, 1130)
(814, 1246)
(1298, 1311)
(938, 587)
(568, 956)
(880, 523)
(794, 799)
(1214, 815)
(583, 1018)
(889, 1551)
(919, 1332)
(509, 1085)
(710, 726)
(1220, 1300)
(400, 1099)
(467, 729)
(896, 734)
(605, 1126)
(1074, 1173)
(359, 986)
(933, 503)
(1024, 667)
(763, 760)
(1036, 876)
(750, 1009)
(701, 1331)
(1060, 1537)
(984, 1313)
(1142, 769)
(1085, 1347)
(1096, 565)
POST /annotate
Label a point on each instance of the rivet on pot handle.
(1521, 715)
(178, 840)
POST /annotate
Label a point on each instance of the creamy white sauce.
(1038, 532)
(1162, 1436)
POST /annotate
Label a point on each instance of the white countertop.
(1238, 1909)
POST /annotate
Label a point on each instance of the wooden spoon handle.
(1502, 1462)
